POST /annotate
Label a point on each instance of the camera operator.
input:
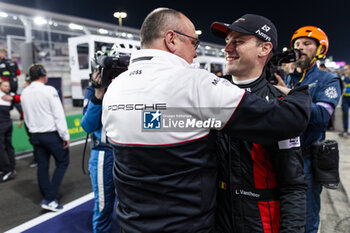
(101, 158)
(325, 92)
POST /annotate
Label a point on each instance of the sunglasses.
(197, 41)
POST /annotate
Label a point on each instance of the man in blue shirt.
(101, 158)
(345, 104)
(325, 93)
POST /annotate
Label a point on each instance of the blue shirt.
(91, 121)
(325, 93)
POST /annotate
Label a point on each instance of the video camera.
(110, 66)
(275, 62)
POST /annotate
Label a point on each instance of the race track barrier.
(20, 139)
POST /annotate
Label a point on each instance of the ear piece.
(36, 71)
(41, 71)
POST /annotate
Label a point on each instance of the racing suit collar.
(255, 85)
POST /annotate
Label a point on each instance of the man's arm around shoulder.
(263, 122)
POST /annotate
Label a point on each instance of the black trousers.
(45, 145)
(7, 152)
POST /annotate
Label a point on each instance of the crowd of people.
(45, 123)
(254, 172)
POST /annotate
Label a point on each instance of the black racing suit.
(261, 187)
(9, 72)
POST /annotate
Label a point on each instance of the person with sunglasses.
(165, 175)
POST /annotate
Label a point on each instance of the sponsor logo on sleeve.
(331, 92)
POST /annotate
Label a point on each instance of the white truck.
(82, 49)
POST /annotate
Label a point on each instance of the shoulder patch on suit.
(331, 92)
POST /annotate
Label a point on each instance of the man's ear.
(266, 48)
(170, 41)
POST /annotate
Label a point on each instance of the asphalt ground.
(20, 198)
(335, 206)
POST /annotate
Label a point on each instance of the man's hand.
(19, 124)
(284, 90)
(7, 98)
(280, 81)
(99, 92)
(66, 144)
(281, 85)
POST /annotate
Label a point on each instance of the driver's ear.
(266, 48)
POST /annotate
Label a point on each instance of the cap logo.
(263, 35)
(240, 20)
(266, 28)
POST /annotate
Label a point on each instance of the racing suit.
(100, 164)
(261, 187)
(9, 72)
(345, 103)
(325, 93)
(166, 177)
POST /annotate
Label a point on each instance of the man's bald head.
(157, 23)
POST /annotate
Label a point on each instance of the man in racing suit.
(166, 176)
(261, 187)
(9, 70)
(101, 159)
(325, 92)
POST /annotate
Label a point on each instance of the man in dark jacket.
(261, 187)
(9, 70)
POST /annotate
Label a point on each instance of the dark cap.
(256, 25)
